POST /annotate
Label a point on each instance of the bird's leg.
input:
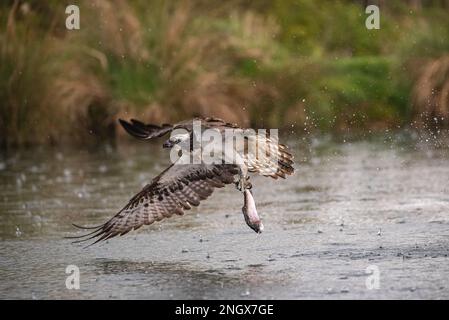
(242, 183)
(247, 185)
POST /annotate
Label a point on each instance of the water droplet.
(37, 219)
(245, 293)
(18, 232)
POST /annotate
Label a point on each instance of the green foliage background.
(305, 64)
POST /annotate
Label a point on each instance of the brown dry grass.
(162, 61)
(430, 94)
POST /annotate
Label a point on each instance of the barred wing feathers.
(271, 159)
(176, 189)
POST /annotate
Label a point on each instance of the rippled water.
(350, 205)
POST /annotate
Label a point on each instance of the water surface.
(380, 202)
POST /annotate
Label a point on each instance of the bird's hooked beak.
(178, 139)
(168, 144)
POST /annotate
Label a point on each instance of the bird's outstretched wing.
(176, 189)
(271, 158)
(144, 131)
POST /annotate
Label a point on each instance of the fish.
(249, 210)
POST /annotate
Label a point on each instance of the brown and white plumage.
(149, 131)
(181, 186)
(279, 166)
(275, 167)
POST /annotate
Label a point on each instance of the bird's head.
(176, 139)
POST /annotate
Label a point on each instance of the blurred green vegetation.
(302, 64)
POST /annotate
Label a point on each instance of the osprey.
(191, 179)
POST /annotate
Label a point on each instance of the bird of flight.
(194, 174)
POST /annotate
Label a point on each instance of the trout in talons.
(249, 210)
